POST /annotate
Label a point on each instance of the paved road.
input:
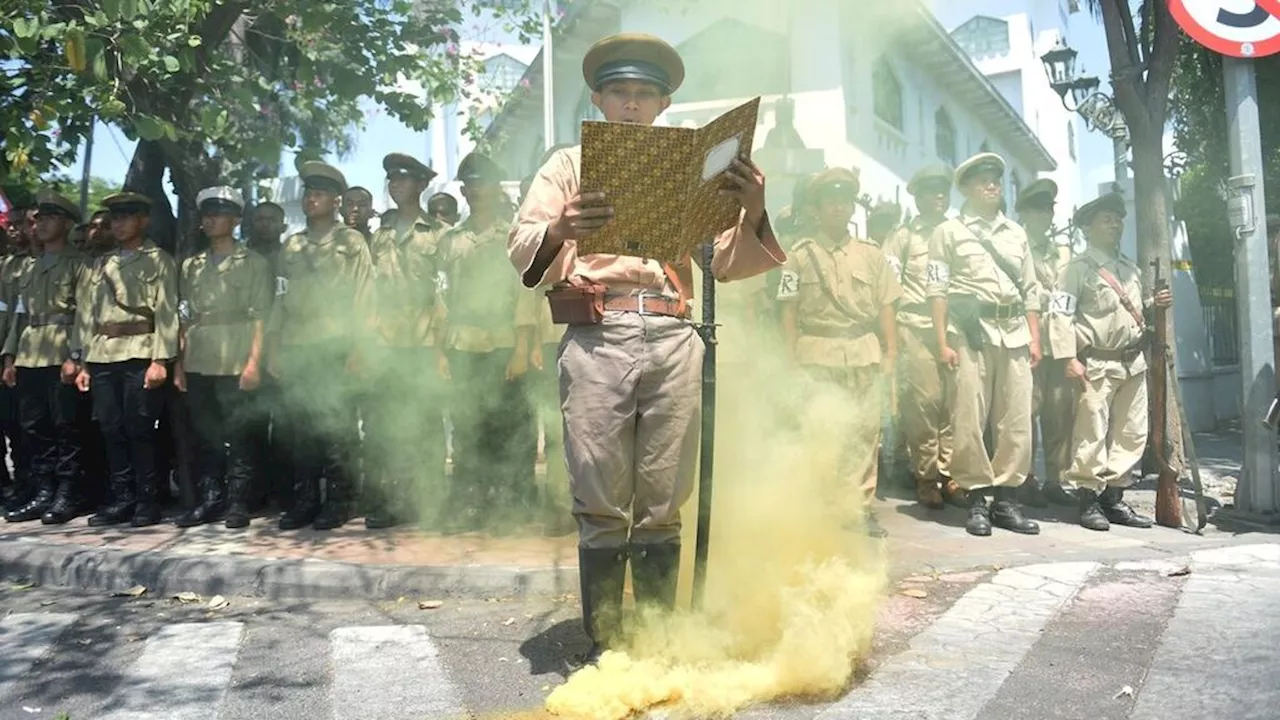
(1122, 641)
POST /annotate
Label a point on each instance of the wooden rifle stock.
(1168, 499)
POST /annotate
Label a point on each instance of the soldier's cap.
(478, 169)
(220, 200)
(633, 56)
(931, 179)
(835, 181)
(982, 162)
(127, 203)
(322, 176)
(1112, 201)
(51, 201)
(1040, 193)
(401, 164)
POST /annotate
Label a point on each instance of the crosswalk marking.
(382, 671)
(959, 663)
(25, 638)
(182, 674)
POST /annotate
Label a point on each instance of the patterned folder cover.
(663, 183)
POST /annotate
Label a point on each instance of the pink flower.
(452, 49)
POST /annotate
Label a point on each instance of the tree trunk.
(146, 176)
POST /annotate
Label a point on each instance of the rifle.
(706, 456)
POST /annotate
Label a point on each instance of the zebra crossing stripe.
(27, 637)
(182, 674)
(953, 668)
(383, 671)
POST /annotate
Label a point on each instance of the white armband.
(788, 285)
(1062, 303)
(442, 281)
(282, 286)
(894, 264)
(21, 309)
(4, 306)
(184, 311)
(938, 272)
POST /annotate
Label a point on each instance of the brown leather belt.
(646, 305)
(226, 317)
(125, 329)
(1124, 356)
(996, 311)
(47, 319)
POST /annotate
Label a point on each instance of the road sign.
(1239, 28)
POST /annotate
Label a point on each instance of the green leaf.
(134, 49)
(111, 8)
(170, 131)
(26, 27)
(98, 59)
(171, 64)
(148, 128)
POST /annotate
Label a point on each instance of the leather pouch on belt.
(577, 304)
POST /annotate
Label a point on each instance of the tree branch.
(1164, 52)
(1124, 81)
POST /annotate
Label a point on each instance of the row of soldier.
(286, 354)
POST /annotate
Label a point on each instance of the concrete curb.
(108, 569)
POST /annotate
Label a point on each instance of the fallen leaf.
(502, 659)
(915, 593)
(187, 597)
(400, 600)
(84, 642)
(31, 710)
(135, 591)
(430, 605)
(1178, 571)
(509, 622)
(47, 603)
(1125, 691)
(25, 585)
(217, 602)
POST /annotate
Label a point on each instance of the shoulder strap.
(826, 289)
(1006, 267)
(1110, 280)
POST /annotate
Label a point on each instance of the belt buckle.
(640, 302)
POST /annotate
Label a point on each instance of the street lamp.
(1097, 108)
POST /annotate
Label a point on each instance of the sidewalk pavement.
(354, 562)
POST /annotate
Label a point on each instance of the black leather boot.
(1006, 513)
(121, 507)
(602, 573)
(46, 488)
(305, 505)
(65, 507)
(979, 522)
(654, 572)
(238, 501)
(1058, 495)
(952, 494)
(1119, 512)
(147, 512)
(209, 510)
(1031, 493)
(336, 510)
(1091, 515)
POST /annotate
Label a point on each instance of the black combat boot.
(1031, 493)
(1058, 495)
(1119, 512)
(65, 507)
(952, 494)
(380, 515)
(209, 510)
(979, 522)
(336, 510)
(1091, 515)
(654, 571)
(238, 500)
(46, 488)
(147, 512)
(121, 507)
(1005, 513)
(602, 573)
(305, 505)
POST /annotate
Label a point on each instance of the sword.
(706, 456)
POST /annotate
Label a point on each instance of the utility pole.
(548, 86)
(1246, 209)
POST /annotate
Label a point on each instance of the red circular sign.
(1231, 27)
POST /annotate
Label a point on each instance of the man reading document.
(630, 360)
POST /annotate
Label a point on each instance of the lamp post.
(1098, 109)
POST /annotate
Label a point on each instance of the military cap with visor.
(1040, 193)
(127, 203)
(839, 182)
(322, 176)
(478, 169)
(220, 200)
(52, 202)
(401, 164)
(633, 56)
(1111, 201)
(982, 162)
(931, 179)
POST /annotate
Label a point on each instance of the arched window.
(944, 136)
(887, 94)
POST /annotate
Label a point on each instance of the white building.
(884, 90)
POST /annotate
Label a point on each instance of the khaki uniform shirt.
(1091, 314)
(840, 331)
(739, 251)
(12, 267)
(137, 287)
(960, 265)
(407, 278)
(221, 302)
(1050, 261)
(482, 301)
(49, 291)
(908, 252)
(323, 288)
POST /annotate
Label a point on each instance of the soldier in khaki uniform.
(1053, 400)
(41, 357)
(839, 300)
(1102, 342)
(404, 421)
(924, 388)
(226, 294)
(130, 316)
(266, 227)
(357, 210)
(319, 323)
(986, 317)
(14, 265)
(444, 208)
(488, 342)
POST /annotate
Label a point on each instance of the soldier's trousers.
(317, 416)
(629, 390)
(495, 441)
(858, 423)
(50, 413)
(546, 399)
(220, 414)
(127, 413)
(404, 434)
(924, 405)
(993, 388)
(268, 449)
(1110, 430)
(1054, 404)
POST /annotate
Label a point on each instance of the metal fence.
(1222, 324)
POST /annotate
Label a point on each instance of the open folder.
(663, 183)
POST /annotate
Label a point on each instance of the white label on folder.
(720, 157)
